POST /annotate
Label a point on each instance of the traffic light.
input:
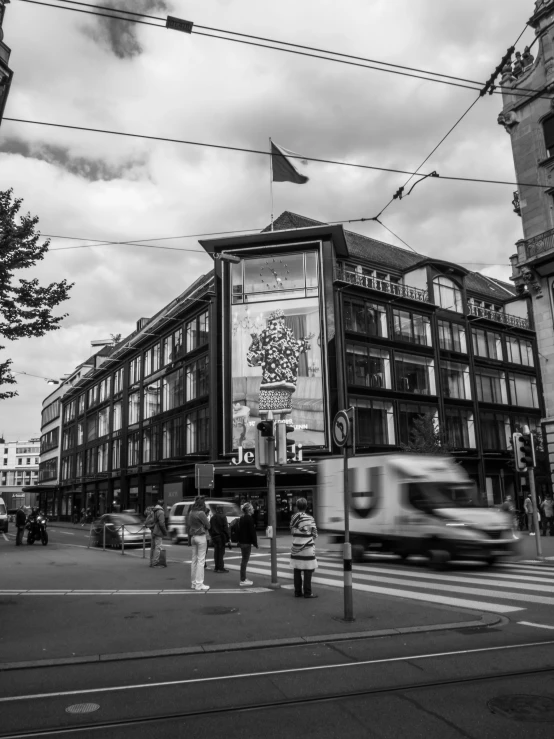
(283, 445)
(524, 451)
(263, 431)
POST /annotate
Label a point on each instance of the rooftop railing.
(384, 286)
(538, 244)
(495, 315)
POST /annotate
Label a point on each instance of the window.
(178, 346)
(133, 449)
(20, 461)
(67, 466)
(197, 378)
(49, 413)
(519, 351)
(460, 428)
(548, 130)
(411, 327)
(365, 318)
(282, 276)
(102, 457)
(367, 366)
(104, 392)
(447, 294)
(134, 370)
(491, 385)
(452, 337)
(152, 360)
(374, 421)
(80, 433)
(172, 438)
(197, 425)
(173, 389)
(48, 470)
(495, 431)
(414, 374)
(152, 399)
(118, 381)
(69, 412)
(520, 421)
(28, 460)
(93, 396)
(487, 344)
(81, 404)
(150, 444)
(523, 390)
(167, 348)
(117, 418)
(197, 331)
(48, 441)
(455, 380)
(68, 440)
(116, 454)
(134, 408)
(79, 458)
(90, 461)
(103, 422)
(407, 414)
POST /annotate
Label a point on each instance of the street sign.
(178, 24)
(341, 428)
(204, 476)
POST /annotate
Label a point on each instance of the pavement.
(66, 604)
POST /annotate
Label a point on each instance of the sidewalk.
(126, 610)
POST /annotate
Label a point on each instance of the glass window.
(414, 374)
(150, 444)
(49, 413)
(520, 421)
(203, 328)
(116, 454)
(495, 430)
(452, 337)
(523, 390)
(91, 428)
(103, 421)
(455, 380)
(134, 370)
(69, 412)
(90, 461)
(519, 351)
(548, 130)
(365, 317)
(134, 408)
(178, 346)
(167, 349)
(374, 421)
(133, 442)
(81, 408)
(105, 389)
(191, 381)
(152, 360)
(202, 376)
(172, 438)
(491, 385)
(487, 344)
(407, 414)
(460, 428)
(117, 417)
(447, 294)
(152, 399)
(197, 331)
(173, 390)
(79, 464)
(411, 327)
(285, 275)
(367, 366)
(93, 395)
(118, 381)
(102, 457)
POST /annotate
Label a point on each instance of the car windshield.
(127, 519)
(428, 496)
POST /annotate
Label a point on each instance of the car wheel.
(439, 558)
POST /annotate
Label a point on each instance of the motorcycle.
(37, 530)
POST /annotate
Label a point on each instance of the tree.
(426, 437)
(25, 306)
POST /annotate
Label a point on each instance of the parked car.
(177, 519)
(3, 516)
(113, 523)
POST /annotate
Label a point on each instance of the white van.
(176, 521)
(411, 504)
(3, 516)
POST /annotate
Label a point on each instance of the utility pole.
(272, 509)
(525, 461)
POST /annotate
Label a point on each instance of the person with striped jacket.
(302, 555)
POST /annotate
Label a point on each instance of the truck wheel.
(358, 551)
(439, 558)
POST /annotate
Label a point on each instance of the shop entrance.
(285, 503)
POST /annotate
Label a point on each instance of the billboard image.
(277, 366)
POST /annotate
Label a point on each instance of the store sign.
(247, 456)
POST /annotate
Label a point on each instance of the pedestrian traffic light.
(265, 428)
(524, 451)
(284, 446)
(263, 431)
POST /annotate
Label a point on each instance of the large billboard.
(276, 348)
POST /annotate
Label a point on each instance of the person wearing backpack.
(219, 531)
(155, 521)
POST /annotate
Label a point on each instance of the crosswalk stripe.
(410, 594)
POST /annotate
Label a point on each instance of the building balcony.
(384, 286)
(494, 315)
(536, 245)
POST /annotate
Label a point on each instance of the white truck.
(411, 504)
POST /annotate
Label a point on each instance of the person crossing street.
(20, 520)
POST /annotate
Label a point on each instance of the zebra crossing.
(506, 589)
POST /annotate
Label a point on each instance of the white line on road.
(538, 626)
(189, 591)
(5, 537)
(271, 673)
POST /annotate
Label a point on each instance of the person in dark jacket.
(20, 521)
(219, 531)
(247, 539)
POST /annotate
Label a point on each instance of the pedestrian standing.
(158, 532)
(528, 506)
(302, 553)
(20, 521)
(219, 531)
(547, 515)
(247, 538)
(197, 527)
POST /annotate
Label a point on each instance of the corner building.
(307, 319)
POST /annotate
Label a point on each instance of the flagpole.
(271, 180)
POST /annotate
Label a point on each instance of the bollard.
(123, 539)
(89, 537)
(104, 537)
(143, 543)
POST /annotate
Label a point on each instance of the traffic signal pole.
(532, 490)
(272, 509)
(347, 547)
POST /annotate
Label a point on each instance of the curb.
(485, 620)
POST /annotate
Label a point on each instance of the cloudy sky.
(83, 70)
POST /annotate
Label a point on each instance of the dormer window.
(447, 294)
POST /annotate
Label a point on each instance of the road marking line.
(538, 626)
(269, 673)
(5, 537)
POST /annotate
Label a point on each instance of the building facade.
(6, 73)
(528, 118)
(19, 470)
(306, 319)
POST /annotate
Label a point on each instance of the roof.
(395, 257)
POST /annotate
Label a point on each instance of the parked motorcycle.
(37, 530)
